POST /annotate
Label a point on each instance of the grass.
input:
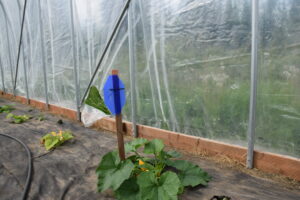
(211, 99)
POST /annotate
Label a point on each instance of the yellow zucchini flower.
(144, 169)
(142, 163)
(60, 135)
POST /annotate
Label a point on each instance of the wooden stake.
(119, 127)
(120, 136)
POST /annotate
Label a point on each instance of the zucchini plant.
(53, 139)
(18, 119)
(150, 175)
(6, 109)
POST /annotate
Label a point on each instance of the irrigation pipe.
(29, 173)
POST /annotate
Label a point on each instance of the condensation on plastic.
(192, 63)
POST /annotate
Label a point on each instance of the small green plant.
(53, 139)
(157, 175)
(95, 100)
(6, 109)
(40, 118)
(18, 119)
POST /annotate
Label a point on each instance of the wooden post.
(119, 127)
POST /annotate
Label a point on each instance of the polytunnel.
(219, 76)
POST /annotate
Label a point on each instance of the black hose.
(28, 179)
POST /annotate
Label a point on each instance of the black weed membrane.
(12, 160)
(66, 172)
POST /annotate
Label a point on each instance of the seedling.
(18, 119)
(40, 118)
(6, 109)
(144, 177)
(52, 140)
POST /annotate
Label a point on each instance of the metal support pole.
(252, 111)
(75, 64)
(2, 76)
(43, 54)
(147, 44)
(8, 47)
(19, 49)
(26, 80)
(25, 72)
(112, 35)
(132, 64)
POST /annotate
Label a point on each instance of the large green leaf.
(95, 100)
(112, 172)
(135, 144)
(166, 155)
(67, 135)
(189, 173)
(51, 142)
(173, 154)
(158, 188)
(154, 147)
(129, 190)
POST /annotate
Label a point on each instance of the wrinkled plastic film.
(9, 44)
(278, 102)
(192, 63)
(109, 12)
(194, 75)
(117, 57)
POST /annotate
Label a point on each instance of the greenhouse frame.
(224, 71)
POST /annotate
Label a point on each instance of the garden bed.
(68, 172)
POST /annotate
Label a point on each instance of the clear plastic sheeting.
(278, 103)
(189, 59)
(10, 16)
(193, 66)
(116, 58)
